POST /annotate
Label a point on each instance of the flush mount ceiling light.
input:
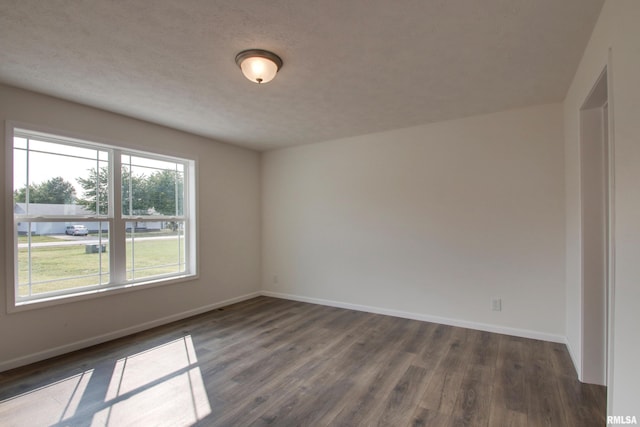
(259, 66)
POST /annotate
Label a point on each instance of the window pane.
(152, 187)
(94, 196)
(63, 149)
(133, 202)
(19, 142)
(47, 174)
(58, 256)
(19, 173)
(155, 248)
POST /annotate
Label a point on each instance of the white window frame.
(117, 221)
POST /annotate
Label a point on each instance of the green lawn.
(37, 239)
(62, 267)
(105, 235)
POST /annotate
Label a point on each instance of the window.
(88, 217)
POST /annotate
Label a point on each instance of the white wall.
(618, 28)
(429, 222)
(229, 234)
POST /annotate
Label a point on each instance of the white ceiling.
(350, 66)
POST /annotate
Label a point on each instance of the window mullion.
(117, 233)
(27, 199)
(189, 211)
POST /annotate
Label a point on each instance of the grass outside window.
(57, 268)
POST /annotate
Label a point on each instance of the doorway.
(595, 206)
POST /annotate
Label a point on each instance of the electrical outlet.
(275, 280)
(496, 304)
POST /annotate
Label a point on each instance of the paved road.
(87, 241)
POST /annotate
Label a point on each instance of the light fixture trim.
(258, 53)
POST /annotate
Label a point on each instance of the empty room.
(307, 213)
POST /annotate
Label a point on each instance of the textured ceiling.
(350, 66)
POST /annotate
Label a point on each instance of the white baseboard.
(573, 359)
(57, 351)
(523, 333)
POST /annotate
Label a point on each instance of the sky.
(49, 160)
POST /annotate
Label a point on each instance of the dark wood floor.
(275, 362)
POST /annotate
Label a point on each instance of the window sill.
(97, 293)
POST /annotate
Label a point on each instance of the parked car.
(76, 230)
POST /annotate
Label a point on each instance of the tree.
(96, 191)
(161, 189)
(54, 191)
(136, 186)
(141, 195)
(98, 183)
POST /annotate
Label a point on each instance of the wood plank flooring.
(268, 361)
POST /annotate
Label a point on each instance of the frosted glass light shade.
(259, 66)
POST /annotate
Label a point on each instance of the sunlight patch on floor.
(163, 384)
(56, 402)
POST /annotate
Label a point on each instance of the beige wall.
(428, 222)
(229, 233)
(617, 29)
